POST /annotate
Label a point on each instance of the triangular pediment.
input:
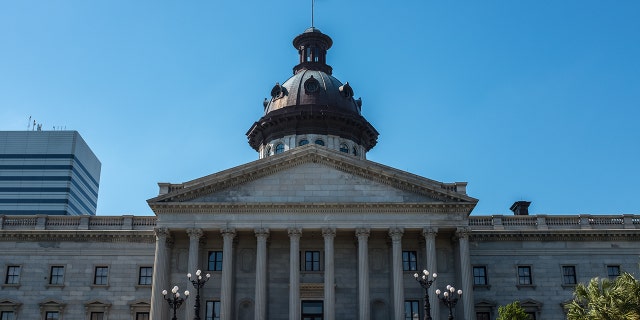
(313, 175)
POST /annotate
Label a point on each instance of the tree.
(512, 311)
(603, 299)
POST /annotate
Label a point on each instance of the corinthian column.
(226, 283)
(194, 252)
(430, 239)
(329, 274)
(261, 274)
(159, 309)
(294, 273)
(363, 273)
(398, 285)
(465, 267)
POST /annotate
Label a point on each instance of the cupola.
(312, 107)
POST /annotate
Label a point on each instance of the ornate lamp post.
(174, 300)
(198, 283)
(450, 297)
(426, 284)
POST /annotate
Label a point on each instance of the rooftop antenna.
(312, 1)
(29, 123)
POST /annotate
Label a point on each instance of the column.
(226, 283)
(430, 240)
(398, 284)
(159, 308)
(329, 274)
(294, 273)
(465, 268)
(363, 273)
(194, 252)
(261, 274)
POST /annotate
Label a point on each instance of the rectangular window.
(312, 261)
(312, 310)
(411, 311)
(97, 316)
(215, 260)
(483, 316)
(13, 275)
(51, 315)
(145, 276)
(480, 275)
(6, 315)
(212, 311)
(409, 261)
(142, 316)
(524, 275)
(569, 274)
(56, 276)
(613, 272)
(101, 276)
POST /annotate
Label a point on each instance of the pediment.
(312, 174)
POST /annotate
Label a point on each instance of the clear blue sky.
(525, 100)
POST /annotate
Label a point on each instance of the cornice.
(136, 236)
(555, 235)
(301, 208)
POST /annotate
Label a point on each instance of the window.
(101, 276)
(303, 142)
(6, 315)
(213, 310)
(51, 315)
(409, 262)
(355, 151)
(411, 311)
(312, 261)
(480, 275)
(97, 315)
(215, 260)
(532, 315)
(319, 142)
(483, 316)
(56, 276)
(524, 275)
(312, 310)
(613, 272)
(145, 276)
(344, 148)
(142, 316)
(268, 152)
(279, 148)
(569, 275)
(13, 275)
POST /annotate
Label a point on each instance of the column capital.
(294, 232)
(362, 233)
(328, 232)
(195, 233)
(162, 232)
(463, 233)
(430, 232)
(261, 232)
(228, 232)
(396, 233)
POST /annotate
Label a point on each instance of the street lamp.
(198, 283)
(426, 283)
(449, 298)
(174, 300)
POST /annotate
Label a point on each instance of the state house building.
(310, 230)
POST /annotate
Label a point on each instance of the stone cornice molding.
(313, 154)
(555, 235)
(98, 235)
(298, 208)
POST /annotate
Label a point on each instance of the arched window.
(319, 142)
(279, 148)
(303, 142)
(344, 148)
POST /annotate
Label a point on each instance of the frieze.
(98, 236)
(555, 235)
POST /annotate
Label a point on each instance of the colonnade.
(159, 309)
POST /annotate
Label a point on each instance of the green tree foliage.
(512, 311)
(603, 299)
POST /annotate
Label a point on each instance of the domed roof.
(312, 101)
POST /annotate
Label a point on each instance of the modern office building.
(47, 172)
(310, 230)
